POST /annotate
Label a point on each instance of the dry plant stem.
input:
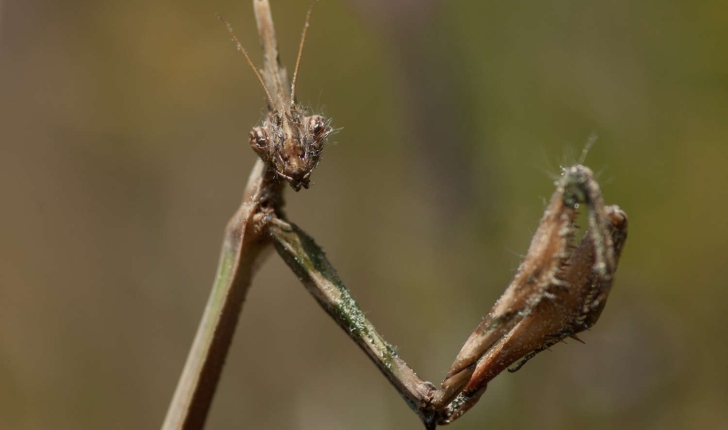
(242, 251)
(309, 263)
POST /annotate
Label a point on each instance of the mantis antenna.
(300, 51)
(250, 63)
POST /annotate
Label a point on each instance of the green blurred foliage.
(123, 152)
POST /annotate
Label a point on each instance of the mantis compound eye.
(259, 138)
(317, 125)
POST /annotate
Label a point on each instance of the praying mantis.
(559, 290)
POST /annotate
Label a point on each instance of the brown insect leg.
(557, 292)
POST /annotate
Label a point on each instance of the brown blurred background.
(123, 152)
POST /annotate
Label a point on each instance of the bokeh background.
(123, 152)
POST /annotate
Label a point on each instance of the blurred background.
(123, 153)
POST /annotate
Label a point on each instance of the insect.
(559, 290)
(289, 141)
